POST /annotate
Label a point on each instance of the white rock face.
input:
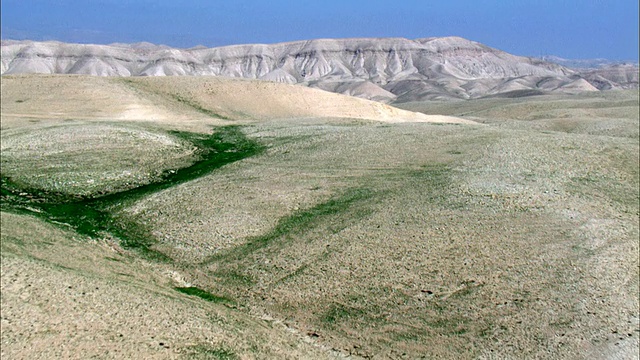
(385, 69)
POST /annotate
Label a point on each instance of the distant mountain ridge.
(383, 69)
(586, 63)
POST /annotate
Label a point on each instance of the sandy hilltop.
(382, 69)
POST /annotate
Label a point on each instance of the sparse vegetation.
(517, 238)
(194, 291)
(338, 313)
(296, 224)
(198, 107)
(211, 353)
(95, 216)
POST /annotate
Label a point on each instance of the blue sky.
(575, 29)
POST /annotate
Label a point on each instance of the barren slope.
(189, 102)
(250, 99)
(611, 77)
(382, 69)
(49, 99)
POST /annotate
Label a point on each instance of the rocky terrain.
(382, 69)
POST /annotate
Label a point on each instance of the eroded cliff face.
(623, 76)
(387, 69)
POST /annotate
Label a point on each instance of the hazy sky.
(571, 29)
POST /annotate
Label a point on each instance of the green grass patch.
(194, 291)
(177, 97)
(13, 240)
(225, 146)
(434, 182)
(211, 353)
(408, 336)
(233, 276)
(354, 309)
(97, 216)
(333, 213)
(198, 107)
(450, 325)
(298, 223)
(297, 272)
(433, 176)
(583, 180)
(582, 251)
(338, 313)
(624, 194)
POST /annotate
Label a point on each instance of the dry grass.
(514, 239)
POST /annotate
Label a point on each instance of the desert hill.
(382, 69)
(613, 76)
(193, 102)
